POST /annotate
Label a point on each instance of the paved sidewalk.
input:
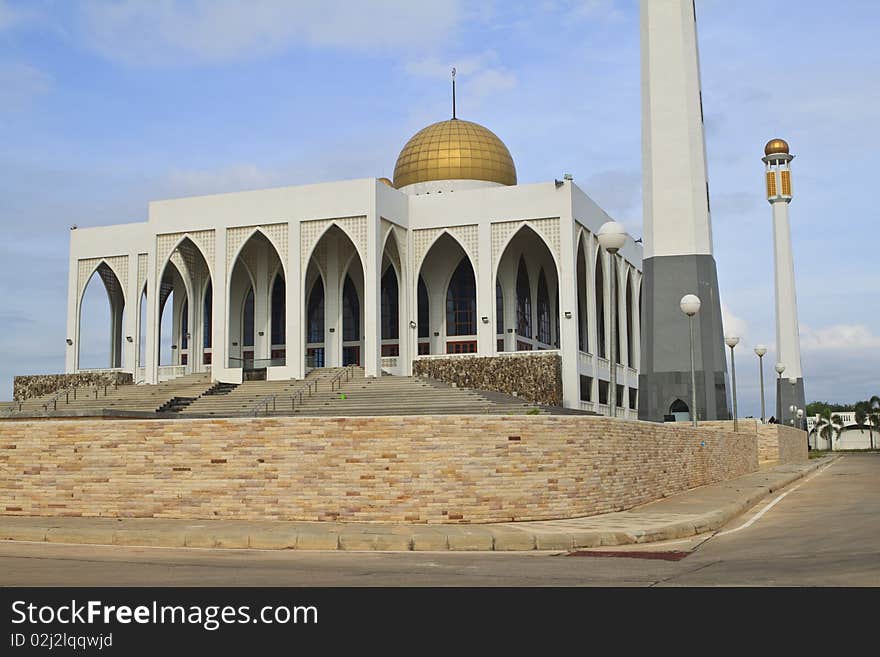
(690, 513)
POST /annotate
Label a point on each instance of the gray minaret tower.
(788, 347)
(677, 256)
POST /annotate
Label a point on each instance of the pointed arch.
(471, 256)
(324, 230)
(526, 226)
(115, 301)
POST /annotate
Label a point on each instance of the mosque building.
(450, 258)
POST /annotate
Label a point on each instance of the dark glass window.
(184, 325)
(424, 330)
(586, 387)
(390, 312)
(523, 302)
(461, 301)
(248, 328)
(351, 311)
(316, 316)
(208, 314)
(543, 310)
(279, 304)
(499, 308)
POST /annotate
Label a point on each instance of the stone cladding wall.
(37, 385)
(434, 469)
(534, 378)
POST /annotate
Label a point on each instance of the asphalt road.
(824, 531)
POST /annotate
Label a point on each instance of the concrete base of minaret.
(665, 373)
(786, 396)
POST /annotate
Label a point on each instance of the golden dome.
(454, 150)
(775, 146)
(386, 181)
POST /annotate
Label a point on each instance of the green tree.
(873, 423)
(829, 426)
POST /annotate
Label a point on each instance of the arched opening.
(582, 291)
(278, 321)
(679, 411)
(334, 279)
(207, 323)
(449, 299)
(101, 321)
(257, 312)
(527, 273)
(315, 325)
(600, 307)
(184, 283)
(461, 301)
(390, 300)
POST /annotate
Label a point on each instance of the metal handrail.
(337, 378)
(264, 402)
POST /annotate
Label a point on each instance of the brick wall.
(535, 378)
(776, 442)
(36, 385)
(436, 469)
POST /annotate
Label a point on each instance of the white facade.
(248, 270)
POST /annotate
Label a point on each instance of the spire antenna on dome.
(453, 92)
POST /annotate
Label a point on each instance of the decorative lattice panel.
(166, 243)
(311, 232)
(143, 260)
(503, 231)
(235, 237)
(85, 268)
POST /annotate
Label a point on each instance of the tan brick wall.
(776, 442)
(428, 469)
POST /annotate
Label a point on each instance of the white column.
(220, 370)
(262, 288)
(296, 304)
(151, 367)
(132, 307)
(485, 289)
(568, 327)
(372, 311)
(787, 336)
(332, 306)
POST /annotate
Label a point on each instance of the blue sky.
(105, 106)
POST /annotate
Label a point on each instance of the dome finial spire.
(453, 92)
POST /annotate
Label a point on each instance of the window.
(206, 322)
(184, 326)
(248, 327)
(586, 387)
(600, 308)
(523, 302)
(543, 310)
(316, 316)
(390, 316)
(603, 392)
(279, 302)
(423, 310)
(461, 301)
(351, 312)
(499, 308)
(462, 347)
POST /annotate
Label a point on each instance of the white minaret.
(788, 346)
(678, 257)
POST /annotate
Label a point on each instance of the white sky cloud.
(166, 31)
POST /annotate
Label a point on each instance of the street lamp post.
(731, 341)
(690, 306)
(760, 350)
(780, 368)
(793, 381)
(800, 415)
(612, 237)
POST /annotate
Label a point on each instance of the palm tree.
(861, 416)
(873, 423)
(828, 426)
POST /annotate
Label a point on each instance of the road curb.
(520, 536)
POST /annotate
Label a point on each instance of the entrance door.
(351, 355)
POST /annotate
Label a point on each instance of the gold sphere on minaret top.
(775, 147)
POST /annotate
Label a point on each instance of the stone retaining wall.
(37, 385)
(534, 378)
(776, 442)
(437, 469)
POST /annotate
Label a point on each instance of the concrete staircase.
(400, 395)
(96, 400)
(242, 400)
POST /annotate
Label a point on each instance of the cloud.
(151, 32)
(734, 325)
(838, 337)
(481, 74)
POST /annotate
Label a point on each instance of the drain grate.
(669, 555)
